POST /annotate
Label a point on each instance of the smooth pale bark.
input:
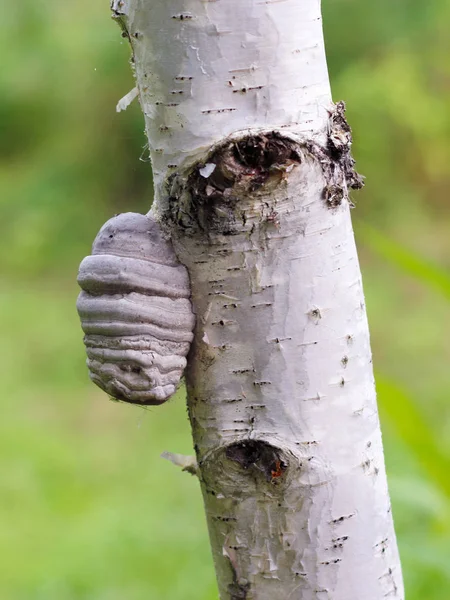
(251, 168)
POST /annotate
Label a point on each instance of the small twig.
(187, 463)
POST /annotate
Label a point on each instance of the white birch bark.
(251, 183)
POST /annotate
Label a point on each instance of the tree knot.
(208, 195)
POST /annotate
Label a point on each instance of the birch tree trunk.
(251, 164)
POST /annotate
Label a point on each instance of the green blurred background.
(88, 510)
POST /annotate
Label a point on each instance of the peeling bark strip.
(252, 166)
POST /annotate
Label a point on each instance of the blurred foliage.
(88, 511)
(429, 274)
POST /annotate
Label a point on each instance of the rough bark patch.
(339, 145)
(238, 591)
(336, 159)
(258, 456)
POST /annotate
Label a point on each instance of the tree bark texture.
(252, 168)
